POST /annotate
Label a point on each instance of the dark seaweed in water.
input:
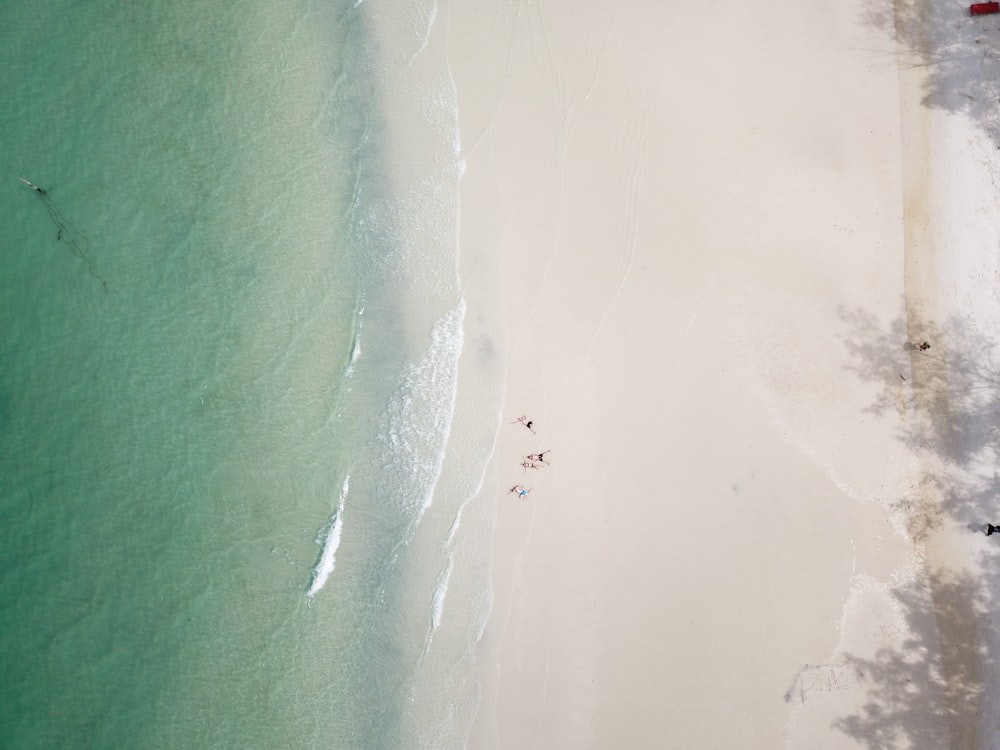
(78, 243)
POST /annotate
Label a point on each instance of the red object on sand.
(982, 9)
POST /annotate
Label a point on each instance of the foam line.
(328, 558)
(440, 592)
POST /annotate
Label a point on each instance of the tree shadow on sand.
(947, 399)
(930, 691)
(927, 691)
(961, 54)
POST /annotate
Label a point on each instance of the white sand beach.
(721, 231)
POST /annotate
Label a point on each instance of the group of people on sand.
(531, 461)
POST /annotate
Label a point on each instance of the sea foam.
(440, 592)
(327, 559)
(419, 416)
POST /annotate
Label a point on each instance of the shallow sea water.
(226, 396)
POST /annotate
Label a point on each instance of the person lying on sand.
(523, 419)
(539, 457)
(520, 491)
(532, 465)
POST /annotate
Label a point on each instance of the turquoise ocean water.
(238, 508)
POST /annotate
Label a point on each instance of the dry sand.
(720, 231)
